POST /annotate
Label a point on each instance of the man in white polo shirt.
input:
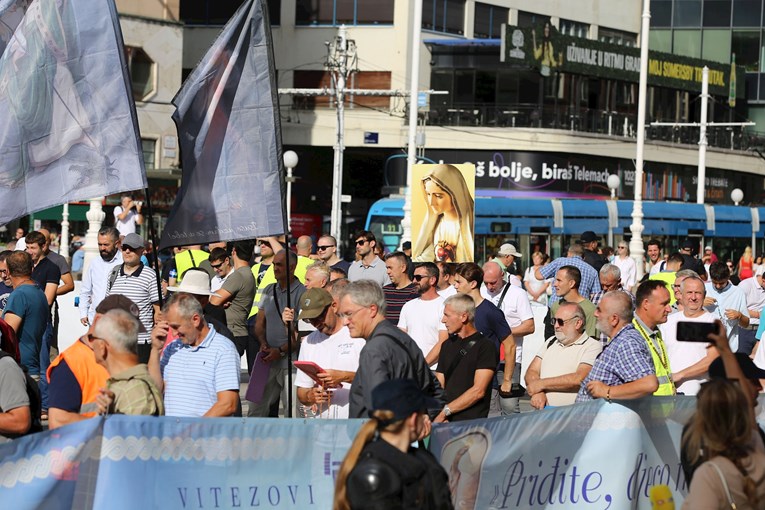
(689, 360)
(555, 375)
(199, 371)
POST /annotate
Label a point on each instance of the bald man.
(303, 247)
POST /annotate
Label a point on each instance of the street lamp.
(613, 184)
(737, 196)
(290, 162)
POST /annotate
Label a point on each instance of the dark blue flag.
(68, 128)
(227, 114)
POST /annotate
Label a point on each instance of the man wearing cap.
(466, 364)
(139, 283)
(754, 293)
(96, 278)
(590, 284)
(589, 242)
(691, 262)
(506, 260)
(75, 377)
(198, 372)
(389, 353)
(129, 389)
(331, 348)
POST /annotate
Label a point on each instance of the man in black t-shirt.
(466, 364)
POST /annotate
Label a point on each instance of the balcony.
(609, 123)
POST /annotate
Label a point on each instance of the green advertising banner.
(544, 48)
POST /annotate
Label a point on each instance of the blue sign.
(371, 137)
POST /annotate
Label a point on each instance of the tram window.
(499, 227)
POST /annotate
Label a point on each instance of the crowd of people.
(172, 343)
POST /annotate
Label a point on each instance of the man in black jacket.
(589, 242)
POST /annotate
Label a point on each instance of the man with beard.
(421, 317)
(96, 278)
(331, 348)
(369, 266)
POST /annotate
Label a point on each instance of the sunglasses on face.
(361, 242)
(130, 248)
(322, 248)
(217, 266)
(560, 322)
(419, 277)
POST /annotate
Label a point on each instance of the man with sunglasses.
(139, 283)
(421, 318)
(326, 249)
(369, 266)
(560, 366)
(331, 347)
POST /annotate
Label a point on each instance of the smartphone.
(695, 331)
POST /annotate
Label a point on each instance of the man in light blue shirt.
(199, 371)
(95, 279)
(727, 302)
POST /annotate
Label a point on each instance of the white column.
(63, 243)
(96, 216)
(406, 223)
(701, 185)
(636, 243)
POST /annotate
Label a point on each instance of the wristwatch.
(447, 411)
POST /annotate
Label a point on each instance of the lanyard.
(661, 355)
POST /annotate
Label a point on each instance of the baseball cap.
(313, 303)
(687, 244)
(120, 302)
(707, 248)
(588, 236)
(751, 371)
(509, 249)
(194, 282)
(402, 397)
(407, 245)
(133, 241)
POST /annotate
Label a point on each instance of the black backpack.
(35, 401)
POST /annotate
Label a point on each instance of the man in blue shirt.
(589, 284)
(727, 302)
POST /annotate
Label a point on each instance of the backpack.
(115, 272)
(35, 401)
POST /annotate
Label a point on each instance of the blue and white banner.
(596, 455)
(69, 130)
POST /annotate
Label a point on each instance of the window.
(687, 43)
(488, 21)
(746, 13)
(610, 35)
(149, 147)
(218, 12)
(746, 45)
(661, 13)
(530, 19)
(359, 80)
(687, 13)
(716, 45)
(348, 12)
(141, 69)
(444, 16)
(660, 40)
(717, 13)
(574, 28)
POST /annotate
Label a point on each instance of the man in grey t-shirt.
(14, 402)
(272, 332)
(237, 291)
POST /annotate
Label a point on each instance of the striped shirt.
(590, 283)
(395, 299)
(194, 375)
(141, 288)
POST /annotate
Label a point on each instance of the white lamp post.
(737, 196)
(613, 184)
(290, 162)
(63, 245)
(96, 217)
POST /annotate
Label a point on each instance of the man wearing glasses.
(138, 282)
(5, 280)
(369, 266)
(556, 373)
(626, 265)
(326, 249)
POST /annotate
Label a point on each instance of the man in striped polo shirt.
(199, 371)
(139, 283)
(401, 290)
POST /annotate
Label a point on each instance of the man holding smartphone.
(689, 360)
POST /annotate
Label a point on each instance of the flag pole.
(154, 244)
(290, 273)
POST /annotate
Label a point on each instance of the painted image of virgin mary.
(446, 234)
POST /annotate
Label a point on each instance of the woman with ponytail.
(381, 470)
(719, 436)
